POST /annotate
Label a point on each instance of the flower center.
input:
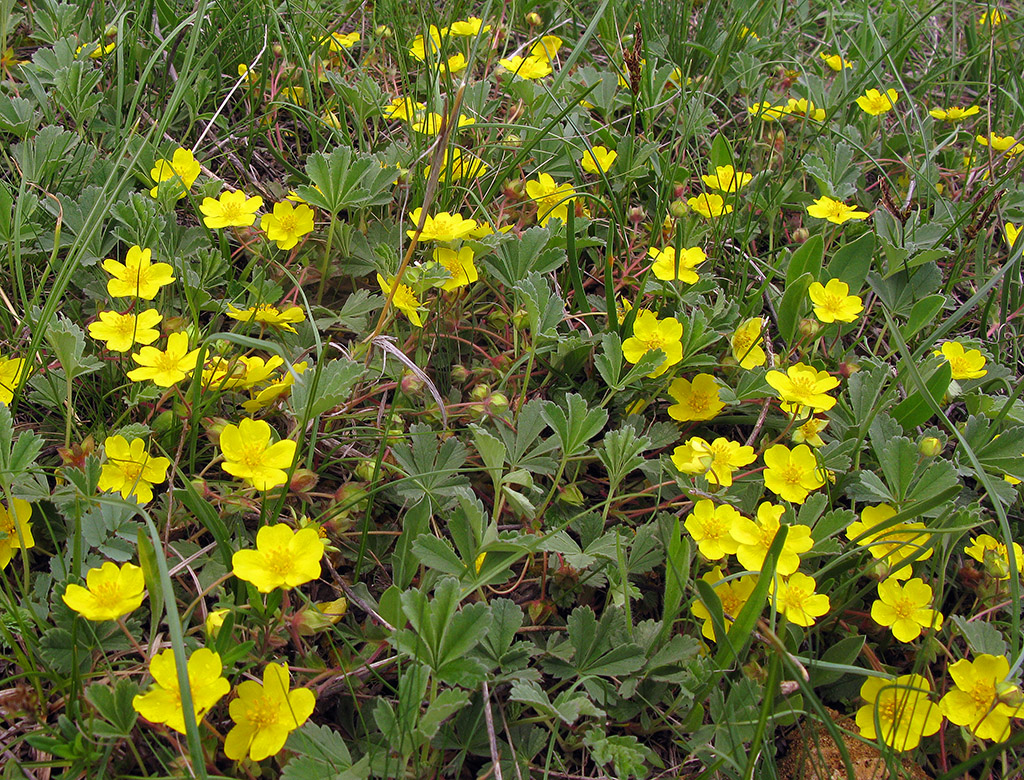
(107, 593)
(263, 712)
(287, 224)
(230, 210)
(6, 527)
(983, 693)
(279, 560)
(792, 475)
(130, 469)
(794, 598)
(904, 607)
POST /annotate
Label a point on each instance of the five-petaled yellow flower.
(833, 302)
(15, 531)
(766, 111)
(733, 595)
(162, 702)
(792, 474)
(405, 109)
(473, 25)
(137, 276)
(1001, 143)
(805, 108)
(954, 113)
(177, 175)
(12, 372)
(994, 17)
(835, 211)
(874, 102)
(168, 367)
(286, 225)
(709, 205)
(405, 299)
(130, 470)
(527, 67)
(249, 455)
(755, 539)
(266, 714)
(991, 552)
(283, 558)
(983, 700)
(457, 165)
(442, 227)
(696, 400)
(746, 344)
(651, 333)
(716, 460)
(891, 544)
(727, 179)
(459, 264)
(795, 598)
(121, 332)
(266, 314)
(969, 364)
(110, 592)
(905, 608)
(552, 199)
(709, 525)
(898, 711)
(598, 159)
(668, 267)
(231, 209)
(835, 61)
(803, 387)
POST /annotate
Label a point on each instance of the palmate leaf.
(431, 470)
(576, 424)
(342, 179)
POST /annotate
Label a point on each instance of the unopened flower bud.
(461, 374)
(533, 19)
(636, 215)
(571, 495)
(320, 617)
(800, 235)
(480, 392)
(214, 621)
(411, 383)
(365, 469)
(496, 403)
(278, 50)
(929, 446)
(213, 427)
(496, 318)
(809, 328)
(677, 208)
(513, 188)
(304, 480)
(519, 318)
(384, 31)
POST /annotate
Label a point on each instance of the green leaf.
(980, 636)
(609, 360)
(721, 152)
(516, 258)
(806, 260)
(115, 705)
(914, 410)
(628, 757)
(794, 303)
(544, 310)
(923, 313)
(446, 704)
(852, 261)
(68, 343)
(431, 470)
(343, 179)
(622, 452)
(438, 554)
(151, 575)
(312, 396)
(321, 753)
(506, 618)
(492, 451)
(576, 425)
(842, 653)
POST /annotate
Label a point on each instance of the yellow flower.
(275, 390)
(709, 206)
(552, 200)
(697, 400)
(546, 48)
(874, 102)
(994, 17)
(954, 114)
(111, 593)
(835, 211)
(121, 332)
(529, 68)
(651, 333)
(249, 455)
(792, 474)
(978, 701)
(969, 364)
(833, 302)
(15, 531)
(456, 166)
(803, 386)
(282, 559)
(766, 112)
(795, 598)
(716, 461)
(12, 372)
(893, 544)
(599, 159)
(471, 26)
(709, 525)
(1001, 143)
(900, 708)
(804, 107)
(137, 277)
(835, 61)
(441, 227)
(165, 368)
(727, 179)
(130, 470)
(178, 175)
(990, 551)
(1012, 231)
(418, 48)
(404, 109)
(286, 225)
(746, 344)
(215, 621)
(459, 264)
(905, 608)
(405, 299)
(162, 702)
(231, 209)
(96, 49)
(337, 41)
(755, 539)
(733, 595)
(296, 95)
(667, 269)
(266, 314)
(807, 433)
(266, 714)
